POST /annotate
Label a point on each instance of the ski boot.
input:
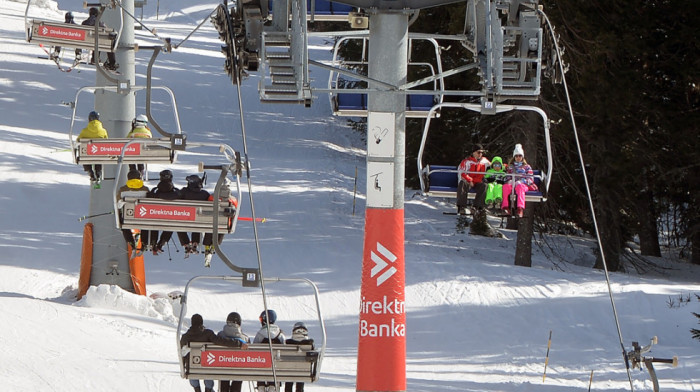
(208, 253)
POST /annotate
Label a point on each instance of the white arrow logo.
(142, 211)
(381, 262)
(210, 358)
(93, 148)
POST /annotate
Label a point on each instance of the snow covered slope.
(475, 321)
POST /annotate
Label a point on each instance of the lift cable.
(590, 201)
(252, 205)
(166, 40)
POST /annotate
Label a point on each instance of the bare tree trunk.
(695, 248)
(648, 229)
(523, 245)
(608, 223)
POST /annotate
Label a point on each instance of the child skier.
(523, 181)
(494, 179)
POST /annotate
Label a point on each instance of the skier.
(140, 130)
(232, 331)
(197, 333)
(469, 177)
(94, 130)
(494, 178)
(193, 191)
(300, 335)
(134, 184)
(523, 183)
(111, 63)
(276, 336)
(57, 50)
(164, 190)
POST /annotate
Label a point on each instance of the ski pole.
(590, 381)
(82, 218)
(546, 357)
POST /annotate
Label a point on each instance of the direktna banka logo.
(381, 262)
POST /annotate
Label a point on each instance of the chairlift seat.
(442, 182)
(355, 104)
(330, 8)
(292, 363)
(175, 215)
(108, 151)
(70, 35)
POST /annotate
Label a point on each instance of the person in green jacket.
(94, 130)
(494, 179)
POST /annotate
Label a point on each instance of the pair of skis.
(208, 254)
(56, 59)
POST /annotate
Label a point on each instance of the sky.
(475, 322)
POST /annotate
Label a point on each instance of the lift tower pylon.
(110, 261)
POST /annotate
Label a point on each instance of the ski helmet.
(133, 175)
(194, 181)
(197, 320)
(140, 121)
(271, 315)
(166, 175)
(69, 17)
(299, 326)
(234, 317)
(93, 116)
(94, 11)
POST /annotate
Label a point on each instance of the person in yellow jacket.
(139, 129)
(94, 130)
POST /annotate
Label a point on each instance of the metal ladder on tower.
(285, 76)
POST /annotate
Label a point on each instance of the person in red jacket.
(470, 176)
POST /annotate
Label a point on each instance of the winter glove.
(489, 179)
(502, 180)
(184, 350)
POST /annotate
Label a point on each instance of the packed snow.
(475, 322)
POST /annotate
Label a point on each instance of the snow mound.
(115, 298)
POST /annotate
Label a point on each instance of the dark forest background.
(632, 74)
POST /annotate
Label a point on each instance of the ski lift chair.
(441, 180)
(328, 11)
(76, 36)
(261, 361)
(179, 215)
(346, 102)
(144, 150)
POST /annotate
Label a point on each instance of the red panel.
(381, 354)
(236, 359)
(61, 32)
(97, 148)
(168, 212)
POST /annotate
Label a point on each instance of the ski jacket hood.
(140, 133)
(275, 333)
(190, 194)
(165, 190)
(233, 331)
(497, 160)
(136, 184)
(94, 130)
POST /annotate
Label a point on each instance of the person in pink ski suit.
(523, 182)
